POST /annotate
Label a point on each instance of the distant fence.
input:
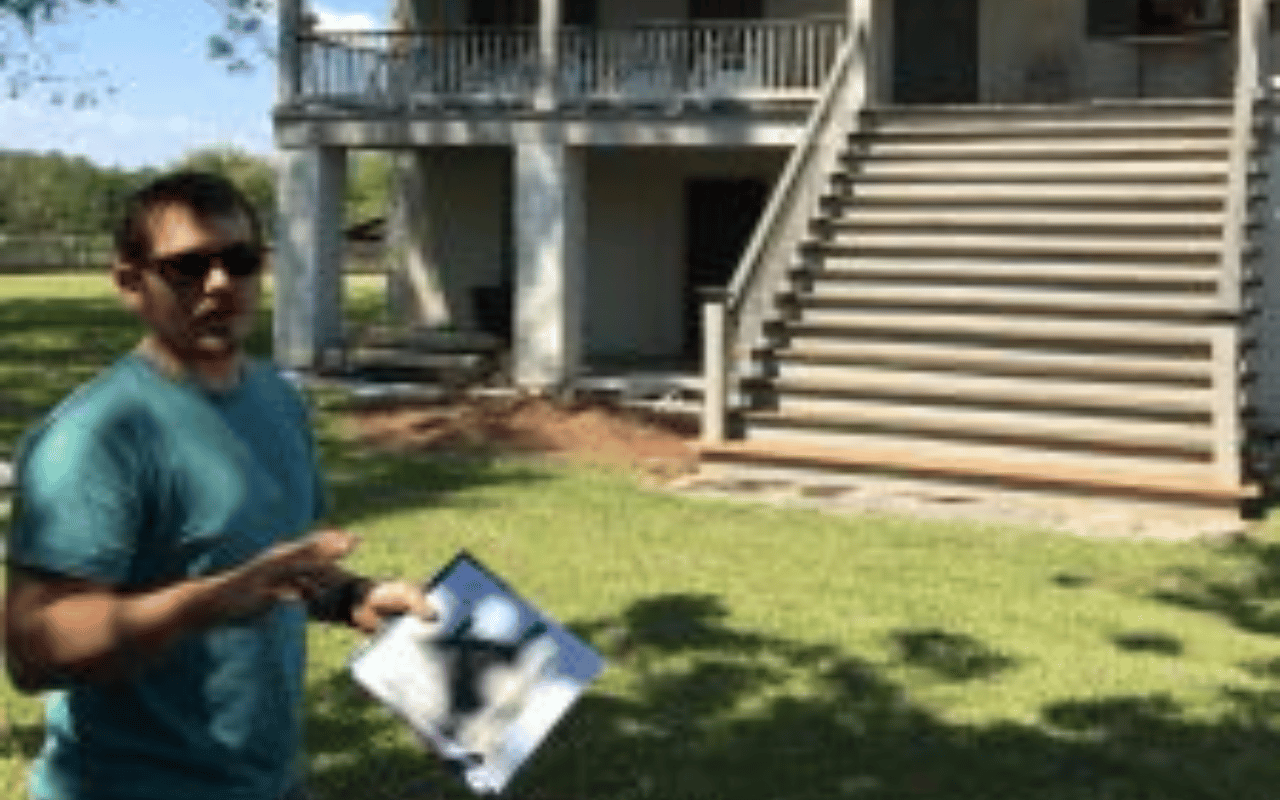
(26, 253)
(38, 253)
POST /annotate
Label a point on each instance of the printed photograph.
(486, 681)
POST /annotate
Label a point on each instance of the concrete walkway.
(1091, 516)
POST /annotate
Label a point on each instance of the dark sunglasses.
(239, 260)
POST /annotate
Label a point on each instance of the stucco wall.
(1030, 50)
(636, 241)
(468, 204)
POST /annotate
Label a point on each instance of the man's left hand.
(389, 599)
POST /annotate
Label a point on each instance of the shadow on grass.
(365, 484)
(1247, 594)
(49, 346)
(709, 711)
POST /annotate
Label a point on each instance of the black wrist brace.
(337, 603)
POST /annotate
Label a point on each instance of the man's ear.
(129, 283)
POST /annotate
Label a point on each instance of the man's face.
(201, 317)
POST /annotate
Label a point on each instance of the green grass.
(759, 653)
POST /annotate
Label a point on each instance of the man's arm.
(62, 630)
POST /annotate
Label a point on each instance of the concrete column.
(289, 77)
(415, 291)
(550, 270)
(548, 53)
(307, 262)
(869, 22)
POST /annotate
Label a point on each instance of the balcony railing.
(655, 63)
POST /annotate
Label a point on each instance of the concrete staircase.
(1023, 296)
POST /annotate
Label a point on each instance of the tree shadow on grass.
(365, 483)
(1245, 594)
(50, 346)
(699, 709)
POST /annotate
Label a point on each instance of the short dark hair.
(208, 195)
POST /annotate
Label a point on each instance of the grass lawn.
(758, 653)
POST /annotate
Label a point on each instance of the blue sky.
(167, 96)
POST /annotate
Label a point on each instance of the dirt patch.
(583, 430)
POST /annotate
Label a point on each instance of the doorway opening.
(720, 216)
(935, 45)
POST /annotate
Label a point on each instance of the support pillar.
(307, 263)
(289, 61)
(868, 24)
(415, 292)
(548, 220)
(548, 54)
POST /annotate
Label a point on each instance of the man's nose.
(217, 278)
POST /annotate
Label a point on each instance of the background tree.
(254, 175)
(242, 41)
(51, 193)
(368, 186)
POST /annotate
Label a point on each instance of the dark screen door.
(935, 51)
(720, 216)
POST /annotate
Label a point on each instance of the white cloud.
(330, 20)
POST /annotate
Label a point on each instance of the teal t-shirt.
(137, 480)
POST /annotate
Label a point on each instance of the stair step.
(1044, 147)
(1173, 171)
(837, 270)
(951, 388)
(1016, 244)
(821, 359)
(1033, 470)
(871, 294)
(863, 188)
(1093, 118)
(978, 327)
(1024, 216)
(1187, 440)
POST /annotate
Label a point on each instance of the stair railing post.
(715, 365)
(1228, 459)
(1251, 28)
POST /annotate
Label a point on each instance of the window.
(1150, 17)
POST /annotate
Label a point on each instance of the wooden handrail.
(785, 223)
(1252, 34)
(1251, 89)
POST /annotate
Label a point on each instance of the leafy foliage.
(254, 175)
(23, 67)
(368, 186)
(54, 193)
(30, 12)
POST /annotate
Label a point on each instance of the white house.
(1015, 240)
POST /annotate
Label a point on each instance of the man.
(160, 562)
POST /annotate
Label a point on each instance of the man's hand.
(387, 599)
(289, 571)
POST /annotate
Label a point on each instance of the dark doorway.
(580, 13)
(935, 47)
(720, 216)
(726, 9)
(502, 13)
